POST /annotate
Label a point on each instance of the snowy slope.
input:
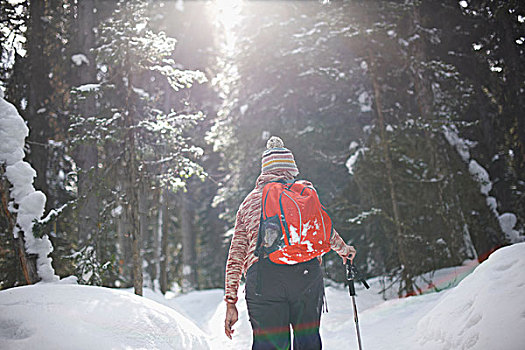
(57, 316)
(485, 311)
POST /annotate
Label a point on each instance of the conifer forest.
(147, 120)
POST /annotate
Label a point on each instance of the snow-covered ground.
(486, 310)
(67, 316)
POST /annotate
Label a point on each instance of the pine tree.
(129, 118)
(417, 96)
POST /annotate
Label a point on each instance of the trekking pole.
(351, 275)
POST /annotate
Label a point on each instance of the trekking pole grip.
(351, 288)
(350, 275)
(353, 274)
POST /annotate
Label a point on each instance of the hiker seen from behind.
(281, 232)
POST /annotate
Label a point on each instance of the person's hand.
(231, 318)
(350, 255)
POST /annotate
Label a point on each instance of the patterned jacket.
(244, 240)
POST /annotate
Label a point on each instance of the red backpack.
(294, 224)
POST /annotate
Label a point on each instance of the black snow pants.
(288, 295)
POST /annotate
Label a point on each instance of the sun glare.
(227, 14)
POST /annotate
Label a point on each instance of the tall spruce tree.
(435, 205)
(136, 132)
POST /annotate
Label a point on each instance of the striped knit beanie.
(276, 157)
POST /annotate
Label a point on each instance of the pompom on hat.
(277, 157)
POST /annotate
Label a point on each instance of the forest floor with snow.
(486, 310)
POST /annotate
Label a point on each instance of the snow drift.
(57, 316)
(485, 311)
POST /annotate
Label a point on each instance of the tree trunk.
(144, 224)
(407, 278)
(134, 215)
(38, 90)
(157, 237)
(124, 241)
(86, 154)
(164, 243)
(27, 263)
(189, 281)
(132, 192)
(513, 104)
